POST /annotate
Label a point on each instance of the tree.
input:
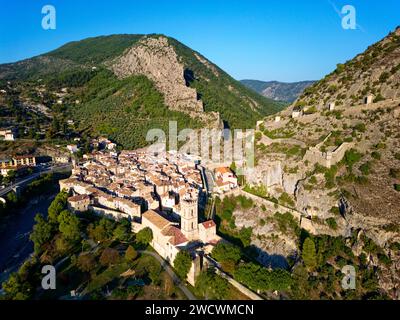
(42, 233)
(248, 274)
(101, 231)
(144, 236)
(86, 262)
(212, 286)
(280, 280)
(182, 264)
(62, 245)
(225, 252)
(109, 256)
(309, 254)
(17, 289)
(257, 277)
(130, 254)
(56, 206)
(11, 176)
(12, 198)
(69, 225)
(154, 271)
(122, 231)
(97, 233)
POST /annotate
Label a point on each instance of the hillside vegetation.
(125, 109)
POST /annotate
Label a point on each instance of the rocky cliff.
(157, 59)
(334, 154)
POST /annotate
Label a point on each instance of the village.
(161, 191)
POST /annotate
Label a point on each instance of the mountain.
(338, 167)
(279, 91)
(122, 85)
(373, 72)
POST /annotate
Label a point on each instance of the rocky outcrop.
(266, 173)
(156, 59)
(272, 246)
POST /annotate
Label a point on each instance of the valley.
(323, 195)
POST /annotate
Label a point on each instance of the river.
(15, 246)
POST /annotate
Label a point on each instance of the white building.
(225, 179)
(369, 99)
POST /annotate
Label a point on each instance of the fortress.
(329, 157)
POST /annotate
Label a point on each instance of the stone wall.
(329, 158)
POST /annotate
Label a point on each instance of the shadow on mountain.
(189, 76)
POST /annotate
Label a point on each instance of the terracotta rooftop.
(156, 219)
(223, 170)
(209, 224)
(176, 235)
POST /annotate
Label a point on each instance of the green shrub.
(360, 127)
(351, 157)
(330, 175)
(379, 98)
(331, 222)
(286, 200)
(365, 168)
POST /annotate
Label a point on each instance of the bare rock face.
(157, 59)
(272, 246)
(268, 173)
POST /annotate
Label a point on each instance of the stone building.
(79, 203)
(330, 156)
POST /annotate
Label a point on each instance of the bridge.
(26, 180)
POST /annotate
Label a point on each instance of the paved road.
(33, 177)
(171, 273)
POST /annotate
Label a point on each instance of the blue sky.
(286, 40)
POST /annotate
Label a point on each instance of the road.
(15, 246)
(171, 273)
(33, 177)
(208, 175)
